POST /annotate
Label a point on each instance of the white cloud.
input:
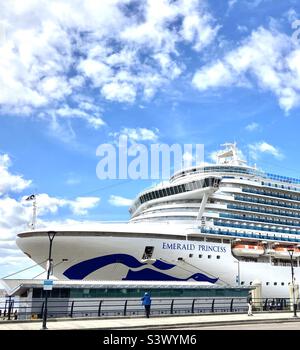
(67, 112)
(13, 263)
(214, 76)
(47, 204)
(252, 126)
(98, 72)
(188, 158)
(14, 217)
(141, 134)
(231, 3)
(118, 201)
(8, 181)
(95, 122)
(214, 156)
(168, 66)
(16, 214)
(119, 91)
(138, 134)
(53, 51)
(81, 205)
(256, 149)
(197, 25)
(291, 15)
(267, 58)
(55, 87)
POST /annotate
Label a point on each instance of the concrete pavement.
(155, 322)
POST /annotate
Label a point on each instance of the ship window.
(160, 193)
(194, 186)
(190, 255)
(148, 252)
(218, 256)
(282, 283)
(275, 283)
(198, 238)
(250, 283)
(214, 240)
(267, 283)
(200, 256)
(209, 256)
(242, 283)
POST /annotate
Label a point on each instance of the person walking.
(249, 302)
(146, 301)
(16, 315)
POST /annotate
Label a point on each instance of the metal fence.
(57, 308)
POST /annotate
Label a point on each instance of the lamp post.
(51, 235)
(291, 252)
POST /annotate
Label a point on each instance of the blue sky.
(76, 74)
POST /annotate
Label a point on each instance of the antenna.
(229, 155)
(33, 213)
(33, 199)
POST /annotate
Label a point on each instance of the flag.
(30, 198)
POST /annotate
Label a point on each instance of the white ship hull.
(91, 256)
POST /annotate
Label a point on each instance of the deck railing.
(119, 307)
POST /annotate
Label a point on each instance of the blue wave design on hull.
(161, 265)
(84, 268)
(152, 275)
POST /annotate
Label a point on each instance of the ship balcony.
(255, 236)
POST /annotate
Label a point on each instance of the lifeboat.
(282, 252)
(247, 249)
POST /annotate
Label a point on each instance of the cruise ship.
(224, 224)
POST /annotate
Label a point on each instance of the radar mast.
(230, 155)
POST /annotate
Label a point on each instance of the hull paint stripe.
(84, 268)
(152, 275)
